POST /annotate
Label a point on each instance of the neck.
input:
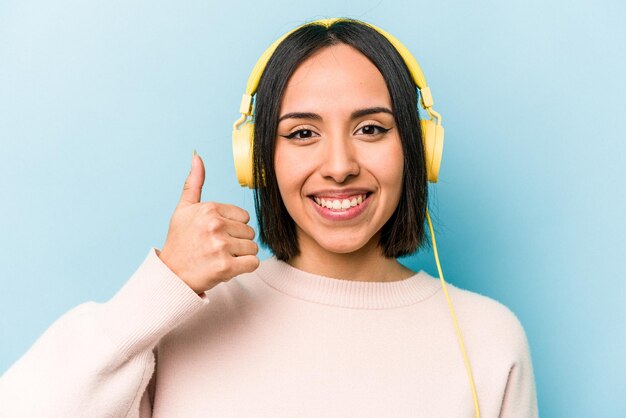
(365, 264)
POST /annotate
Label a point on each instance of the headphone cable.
(456, 325)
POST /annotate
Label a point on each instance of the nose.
(339, 159)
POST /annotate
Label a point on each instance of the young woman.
(332, 325)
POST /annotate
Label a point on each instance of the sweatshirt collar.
(346, 293)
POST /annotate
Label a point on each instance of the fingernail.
(193, 158)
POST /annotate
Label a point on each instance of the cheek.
(387, 165)
(396, 160)
(290, 168)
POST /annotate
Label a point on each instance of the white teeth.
(339, 204)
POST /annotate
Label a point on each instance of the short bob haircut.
(404, 232)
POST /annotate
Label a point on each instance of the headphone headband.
(416, 72)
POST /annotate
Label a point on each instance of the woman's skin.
(332, 155)
(335, 156)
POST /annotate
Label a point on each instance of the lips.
(340, 206)
(342, 203)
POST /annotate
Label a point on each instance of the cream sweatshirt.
(278, 342)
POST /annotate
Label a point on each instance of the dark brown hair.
(404, 232)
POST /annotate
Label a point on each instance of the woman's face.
(338, 158)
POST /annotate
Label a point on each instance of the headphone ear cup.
(433, 147)
(242, 153)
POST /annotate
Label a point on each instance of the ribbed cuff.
(151, 303)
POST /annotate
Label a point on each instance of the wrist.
(164, 260)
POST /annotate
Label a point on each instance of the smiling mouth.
(340, 205)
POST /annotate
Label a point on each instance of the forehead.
(338, 78)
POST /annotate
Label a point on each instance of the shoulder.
(485, 307)
(486, 319)
(498, 349)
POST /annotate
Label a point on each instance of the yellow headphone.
(243, 137)
(243, 130)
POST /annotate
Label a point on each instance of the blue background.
(102, 104)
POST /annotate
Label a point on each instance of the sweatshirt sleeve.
(520, 395)
(97, 359)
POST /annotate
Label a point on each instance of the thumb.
(193, 185)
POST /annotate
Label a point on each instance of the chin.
(346, 247)
(342, 250)
(337, 241)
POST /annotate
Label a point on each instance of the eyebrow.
(356, 114)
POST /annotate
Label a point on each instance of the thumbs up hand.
(207, 242)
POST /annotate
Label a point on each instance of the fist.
(207, 242)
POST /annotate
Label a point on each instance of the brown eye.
(303, 134)
(373, 130)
